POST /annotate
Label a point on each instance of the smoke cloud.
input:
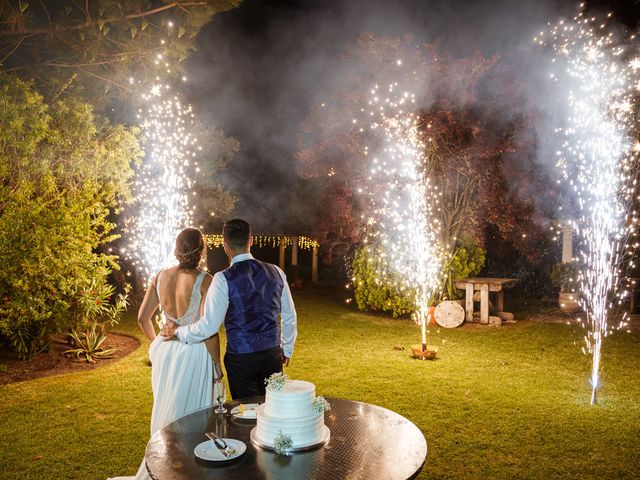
(261, 68)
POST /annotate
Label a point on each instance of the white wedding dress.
(181, 374)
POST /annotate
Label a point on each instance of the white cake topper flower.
(283, 444)
(276, 382)
(321, 405)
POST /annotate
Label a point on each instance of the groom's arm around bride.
(253, 300)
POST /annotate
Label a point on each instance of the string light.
(261, 241)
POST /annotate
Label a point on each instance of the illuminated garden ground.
(499, 403)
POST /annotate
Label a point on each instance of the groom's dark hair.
(236, 233)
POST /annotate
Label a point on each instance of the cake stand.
(301, 448)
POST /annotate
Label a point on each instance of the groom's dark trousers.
(246, 372)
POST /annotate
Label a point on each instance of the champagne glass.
(221, 396)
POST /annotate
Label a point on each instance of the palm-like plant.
(89, 344)
(96, 312)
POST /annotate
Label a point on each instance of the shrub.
(371, 293)
(565, 276)
(88, 344)
(375, 292)
(96, 312)
(64, 172)
(467, 261)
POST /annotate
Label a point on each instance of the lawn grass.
(498, 403)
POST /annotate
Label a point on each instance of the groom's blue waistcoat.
(251, 323)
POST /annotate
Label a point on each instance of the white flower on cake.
(276, 382)
(321, 405)
(283, 444)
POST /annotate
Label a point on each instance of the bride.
(181, 374)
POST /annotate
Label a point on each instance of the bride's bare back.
(175, 288)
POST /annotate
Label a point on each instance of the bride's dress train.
(181, 374)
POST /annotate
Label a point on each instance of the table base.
(326, 434)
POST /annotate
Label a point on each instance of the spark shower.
(163, 181)
(595, 75)
(402, 223)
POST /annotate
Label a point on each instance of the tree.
(102, 48)
(464, 157)
(214, 202)
(64, 170)
(111, 51)
(469, 149)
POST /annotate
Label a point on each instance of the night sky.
(262, 66)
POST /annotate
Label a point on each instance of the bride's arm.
(147, 309)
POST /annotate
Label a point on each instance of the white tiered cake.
(290, 411)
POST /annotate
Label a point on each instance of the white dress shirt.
(215, 310)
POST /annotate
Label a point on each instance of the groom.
(248, 297)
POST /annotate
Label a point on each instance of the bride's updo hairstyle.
(189, 247)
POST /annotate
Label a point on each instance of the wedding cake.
(291, 416)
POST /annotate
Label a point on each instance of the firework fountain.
(402, 225)
(163, 180)
(595, 75)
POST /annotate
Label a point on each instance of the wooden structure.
(485, 286)
(449, 314)
(282, 242)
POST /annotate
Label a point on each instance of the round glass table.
(366, 442)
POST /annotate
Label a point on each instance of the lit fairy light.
(598, 155)
(163, 181)
(402, 224)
